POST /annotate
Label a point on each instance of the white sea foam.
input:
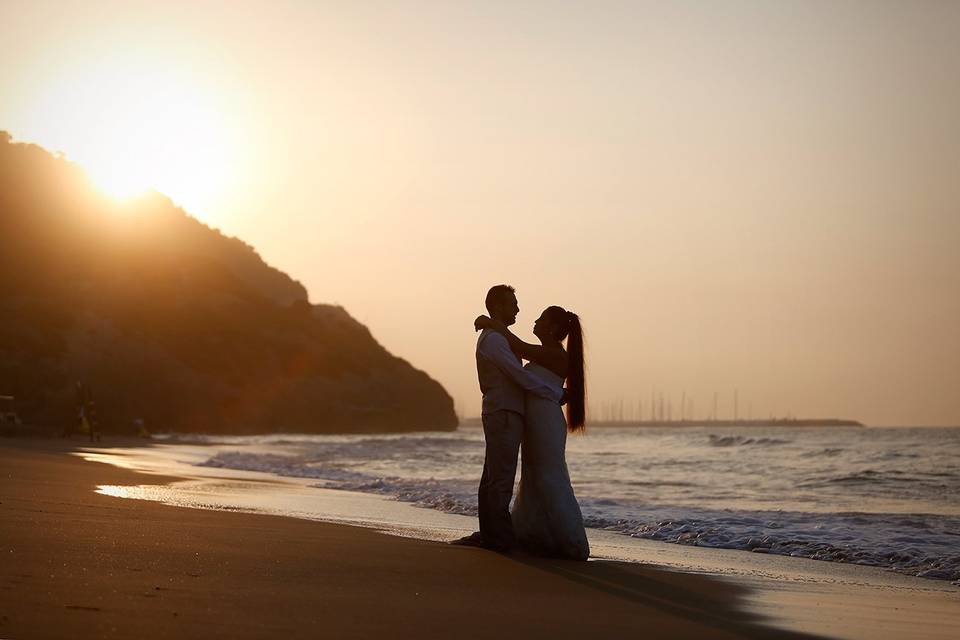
(886, 498)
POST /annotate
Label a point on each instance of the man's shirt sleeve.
(495, 348)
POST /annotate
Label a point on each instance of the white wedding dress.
(546, 517)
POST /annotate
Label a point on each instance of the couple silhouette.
(522, 411)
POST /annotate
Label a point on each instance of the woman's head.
(556, 323)
(553, 324)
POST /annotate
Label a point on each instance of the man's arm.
(495, 348)
(552, 358)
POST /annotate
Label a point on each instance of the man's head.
(502, 304)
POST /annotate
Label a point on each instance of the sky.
(740, 197)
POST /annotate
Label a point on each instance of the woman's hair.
(568, 327)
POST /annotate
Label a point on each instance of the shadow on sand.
(702, 599)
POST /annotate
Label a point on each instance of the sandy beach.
(82, 564)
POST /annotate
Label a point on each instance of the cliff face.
(166, 319)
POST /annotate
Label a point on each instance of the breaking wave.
(924, 545)
(739, 441)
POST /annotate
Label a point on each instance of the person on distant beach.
(503, 383)
(546, 516)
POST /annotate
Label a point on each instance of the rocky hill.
(168, 320)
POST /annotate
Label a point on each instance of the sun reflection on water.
(141, 492)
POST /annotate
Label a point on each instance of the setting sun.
(144, 126)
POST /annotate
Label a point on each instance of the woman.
(546, 517)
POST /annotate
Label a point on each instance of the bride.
(546, 517)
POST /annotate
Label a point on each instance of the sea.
(886, 497)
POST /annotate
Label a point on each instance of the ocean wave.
(867, 476)
(923, 545)
(894, 455)
(739, 441)
(451, 496)
(827, 452)
(278, 464)
(891, 479)
(921, 548)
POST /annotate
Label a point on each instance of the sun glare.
(121, 181)
(135, 126)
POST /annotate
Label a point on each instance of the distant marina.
(765, 422)
(660, 411)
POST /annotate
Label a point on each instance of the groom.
(503, 382)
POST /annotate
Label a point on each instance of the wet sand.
(79, 564)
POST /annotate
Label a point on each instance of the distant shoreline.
(767, 422)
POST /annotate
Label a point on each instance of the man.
(503, 382)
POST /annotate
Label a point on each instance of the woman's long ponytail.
(576, 380)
